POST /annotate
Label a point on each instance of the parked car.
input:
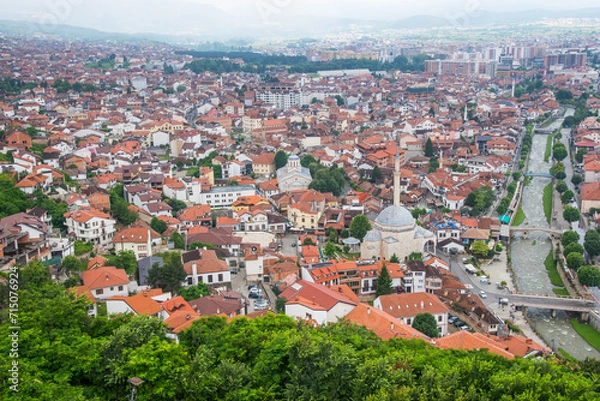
(261, 304)
(293, 244)
(465, 327)
(254, 292)
(482, 294)
(458, 323)
(452, 319)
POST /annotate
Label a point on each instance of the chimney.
(422, 305)
(392, 326)
(218, 311)
(188, 316)
(314, 301)
(368, 310)
(107, 276)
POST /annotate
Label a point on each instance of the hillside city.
(446, 193)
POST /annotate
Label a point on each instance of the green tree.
(181, 88)
(332, 234)
(580, 154)
(281, 159)
(563, 95)
(359, 226)
(345, 233)
(429, 148)
(561, 187)
(426, 324)
(71, 263)
(589, 276)
(178, 240)
(375, 174)
(517, 175)
(571, 214)
(480, 249)
(307, 160)
(394, 259)
(567, 197)
(124, 260)
(330, 249)
(194, 291)
(573, 247)
(169, 276)
(280, 305)
(576, 179)
(308, 241)
(339, 100)
(158, 225)
(384, 282)
(569, 237)
(415, 256)
(575, 260)
(559, 152)
(591, 243)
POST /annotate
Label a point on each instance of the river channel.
(528, 258)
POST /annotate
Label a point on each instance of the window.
(120, 288)
(142, 247)
(112, 288)
(99, 292)
(408, 321)
(440, 318)
(220, 277)
(210, 278)
(200, 279)
(189, 280)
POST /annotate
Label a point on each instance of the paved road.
(287, 249)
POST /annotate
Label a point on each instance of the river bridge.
(532, 174)
(526, 230)
(554, 303)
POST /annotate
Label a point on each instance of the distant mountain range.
(199, 24)
(485, 18)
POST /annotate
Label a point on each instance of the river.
(528, 262)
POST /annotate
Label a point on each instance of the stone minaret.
(397, 177)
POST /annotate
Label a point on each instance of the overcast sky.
(176, 16)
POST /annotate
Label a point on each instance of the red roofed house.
(143, 303)
(106, 281)
(382, 323)
(264, 165)
(207, 269)
(136, 239)
(407, 306)
(19, 140)
(590, 196)
(90, 225)
(316, 303)
(464, 340)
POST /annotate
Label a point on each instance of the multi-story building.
(91, 225)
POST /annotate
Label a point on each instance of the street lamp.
(135, 383)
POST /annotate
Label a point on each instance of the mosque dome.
(395, 216)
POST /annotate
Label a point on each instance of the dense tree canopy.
(280, 159)
(571, 214)
(426, 324)
(158, 225)
(480, 200)
(359, 226)
(589, 275)
(65, 355)
(569, 237)
(591, 243)
(169, 276)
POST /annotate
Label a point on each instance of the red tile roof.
(105, 276)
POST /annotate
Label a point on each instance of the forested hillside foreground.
(65, 355)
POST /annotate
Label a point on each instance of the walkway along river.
(528, 256)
